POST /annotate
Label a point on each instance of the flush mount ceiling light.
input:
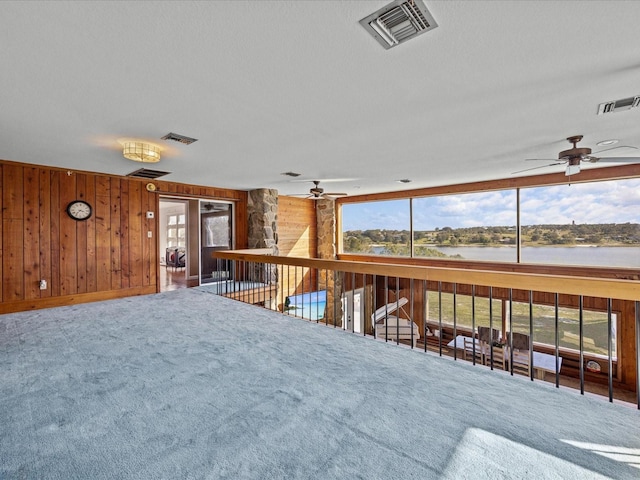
(140, 151)
(398, 22)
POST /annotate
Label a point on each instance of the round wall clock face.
(79, 210)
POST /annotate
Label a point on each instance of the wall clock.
(79, 210)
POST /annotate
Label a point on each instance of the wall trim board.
(66, 300)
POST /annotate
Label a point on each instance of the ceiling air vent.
(619, 105)
(147, 173)
(179, 138)
(398, 22)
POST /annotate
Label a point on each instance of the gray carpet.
(186, 384)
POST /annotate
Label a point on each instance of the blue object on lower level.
(308, 305)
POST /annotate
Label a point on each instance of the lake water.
(600, 256)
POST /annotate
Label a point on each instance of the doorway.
(173, 240)
(353, 310)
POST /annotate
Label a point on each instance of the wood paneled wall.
(297, 229)
(297, 237)
(107, 256)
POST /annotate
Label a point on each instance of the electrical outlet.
(149, 234)
(43, 284)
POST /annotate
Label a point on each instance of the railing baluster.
(511, 331)
(610, 349)
(363, 320)
(397, 311)
(411, 310)
(440, 332)
(581, 328)
(386, 308)
(374, 293)
(455, 321)
(557, 340)
(326, 289)
(637, 305)
(531, 369)
(473, 323)
(491, 327)
(353, 304)
(425, 309)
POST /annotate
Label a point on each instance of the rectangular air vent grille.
(147, 173)
(398, 22)
(619, 105)
(179, 138)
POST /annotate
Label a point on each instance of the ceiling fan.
(573, 157)
(317, 192)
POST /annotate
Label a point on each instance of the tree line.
(366, 241)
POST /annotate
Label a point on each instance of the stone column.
(262, 212)
(326, 230)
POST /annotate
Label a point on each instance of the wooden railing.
(272, 280)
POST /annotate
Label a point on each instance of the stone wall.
(326, 225)
(262, 213)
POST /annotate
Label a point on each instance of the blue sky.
(599, 202)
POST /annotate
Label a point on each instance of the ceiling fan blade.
(615, 148)
(334, 194)
(536, 168)
(540, 159)
(617, 159)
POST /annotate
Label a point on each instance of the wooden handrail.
(563, 284)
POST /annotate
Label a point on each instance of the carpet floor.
(189, 385)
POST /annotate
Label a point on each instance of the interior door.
(353, 310)
(215, 234)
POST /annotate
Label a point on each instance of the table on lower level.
(542, 362)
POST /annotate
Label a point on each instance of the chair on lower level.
(492, 349)
(519, 353)
(471, 349)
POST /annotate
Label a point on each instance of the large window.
(441, 305)
(474, 226)
(378, 228)
(582, 224)
(595, 223)
(595, 327)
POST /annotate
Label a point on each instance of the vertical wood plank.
(135, 234)
(68, 237)
(1, 222)
(90, 195)
(124, 233)
(103, 233)
(81, 237)
(44, 207)
(54, 182)
(116, 235)
(31, 235)
(12, 233)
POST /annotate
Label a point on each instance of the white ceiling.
(273, 86)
